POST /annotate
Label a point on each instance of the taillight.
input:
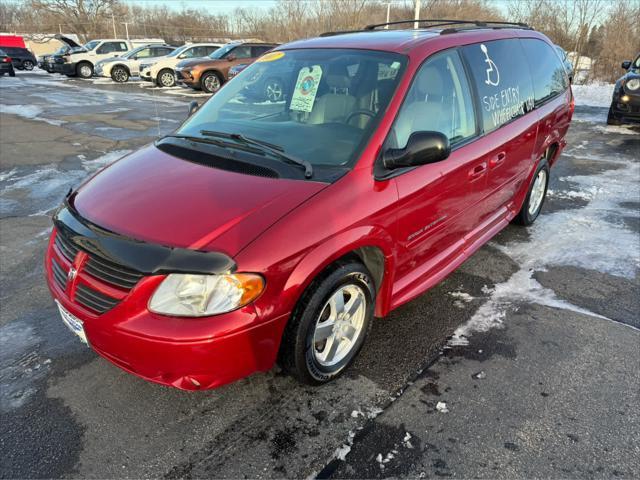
(6, 59)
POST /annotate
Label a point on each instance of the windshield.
(91, 45)
(319, 105)
(133, 52)
(219, 53)
(178, 51)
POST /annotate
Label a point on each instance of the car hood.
(205, 61)
(69, 41)
(155, 197)
(104, 61)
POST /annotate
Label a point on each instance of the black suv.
(22, 58)
(625, 105)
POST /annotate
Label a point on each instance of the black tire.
(525, 216)
(119, 74)
(12, 73)
(84, 70)
(298, 352)
(28, 65)
(208, 80)
(611, 119)
(163, 76)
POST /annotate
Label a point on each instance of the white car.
(81, 61)
(162, 71)
(128, 65)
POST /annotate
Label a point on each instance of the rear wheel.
(329, 325)
(28, 65)
(119, 74)
(535, 196)
(84, 70)
(166, 78)
(211, 82)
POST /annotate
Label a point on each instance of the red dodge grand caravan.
(264, 231)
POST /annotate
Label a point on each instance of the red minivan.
(263, 231)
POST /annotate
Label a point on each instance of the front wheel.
(84, 70)
(28, 65)
(535, 196)
(611, 118)
(329, 325)
(211, 82)
(166, 78)
(119, 74)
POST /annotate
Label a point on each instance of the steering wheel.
(368, 113)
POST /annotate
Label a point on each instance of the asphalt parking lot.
(523, 363)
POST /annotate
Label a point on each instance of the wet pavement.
(523, 363)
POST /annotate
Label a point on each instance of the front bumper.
(64, 68)
(187, 353)
(185, 79)
(146, 75)
(626, 111)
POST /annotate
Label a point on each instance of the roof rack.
(442, 22)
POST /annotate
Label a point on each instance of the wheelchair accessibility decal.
(493, 74)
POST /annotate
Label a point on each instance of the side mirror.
(193, 107)
(626, 64)
(422, 148)
(231, 57)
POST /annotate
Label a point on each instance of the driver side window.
(439, 100)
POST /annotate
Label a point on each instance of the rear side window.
(439, 100)
(209, 49)
(502, 79)
(548, 73)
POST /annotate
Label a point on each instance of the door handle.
(477, 171)
(497, 160)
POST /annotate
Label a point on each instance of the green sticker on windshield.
(306, 88)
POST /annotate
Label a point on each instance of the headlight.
(187, 295)
(632, 84)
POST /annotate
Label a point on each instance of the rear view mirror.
(193, 107)
(422, 148)
(626, 64)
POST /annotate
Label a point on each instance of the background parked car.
(625, 104)
(81, 61)
(21, 58)
(121, 68)
(162, 71)
(5, 65)
(211, 73)
(45, 61)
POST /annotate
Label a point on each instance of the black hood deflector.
(146, 258)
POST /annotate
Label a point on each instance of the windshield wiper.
(217, 143)
(276, 150)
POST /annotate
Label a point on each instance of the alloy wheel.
(537, 192)
(120, 75)
(339, 325)
(28, 65)
(167, 79)
(212, 83)
(85, 71)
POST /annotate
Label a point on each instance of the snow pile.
(593, 94)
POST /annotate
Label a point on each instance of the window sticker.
(270, 57)
(493, 74)
(306, 88)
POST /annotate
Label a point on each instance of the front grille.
(95, 270)
(112, 273)
(58, 275)
(66, 247)
(94, 300)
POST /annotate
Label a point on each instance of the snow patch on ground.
(593, 94)
(32, 112)
(593, 237)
